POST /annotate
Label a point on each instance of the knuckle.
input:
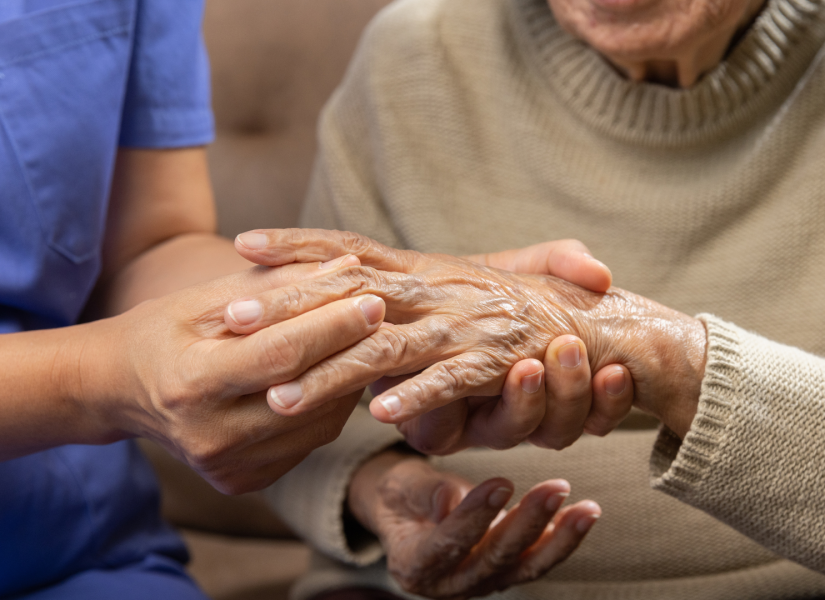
(282, 357)
(452, 376)
(448, 549)
(355, 243)
(293, 300)
(388, 346)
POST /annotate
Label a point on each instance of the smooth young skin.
(446, 539)
(169, 368)
(673, 42)
(465, 325)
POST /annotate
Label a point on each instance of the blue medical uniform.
(78, 79)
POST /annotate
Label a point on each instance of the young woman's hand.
(175, 373)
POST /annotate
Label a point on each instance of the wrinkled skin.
(464, 325)
(568, 402)
(664, 41)
(446, 539)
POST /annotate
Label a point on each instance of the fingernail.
(373, 308)
(570, 355)
(615, 383)
(335, 262)
(245, 312)
(499, 497)
(585, 523)
(286, 395)
(252, 240)
(553, 503)
(532, 383)
(392, 404)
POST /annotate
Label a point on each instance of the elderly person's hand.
(446, 539)
(466, 325)
(550, 404)
(180, 377)
(528, 407)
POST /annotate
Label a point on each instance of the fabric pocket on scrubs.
(63, 74)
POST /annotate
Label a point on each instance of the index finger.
(273, 247)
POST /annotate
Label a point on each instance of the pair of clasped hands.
(485, 351)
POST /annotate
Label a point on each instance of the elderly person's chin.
(672, 42)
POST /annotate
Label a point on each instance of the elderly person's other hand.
(446, 539)
(466, 325)
(181, 377)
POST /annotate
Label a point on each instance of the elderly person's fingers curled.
(496, 422)
(558, 541)
(576, 403)
(532, 538)
(567, 374)
(446, 539)
(506, 421)
(612, 399)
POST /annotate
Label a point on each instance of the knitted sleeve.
(311, 498)
(754, 457)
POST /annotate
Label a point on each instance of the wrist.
(363, 492)
(97, 382)
(663, 349)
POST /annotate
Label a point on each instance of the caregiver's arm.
(160, 229)
(169, 369)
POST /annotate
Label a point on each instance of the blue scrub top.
(77, 80)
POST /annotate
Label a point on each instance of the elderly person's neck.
(672, 42)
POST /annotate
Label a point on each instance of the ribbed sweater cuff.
(676, 465)
(311, 498)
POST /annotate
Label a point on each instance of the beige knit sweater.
(477, 125)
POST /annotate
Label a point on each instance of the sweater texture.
(467, 126)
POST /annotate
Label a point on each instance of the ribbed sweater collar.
(758, 74)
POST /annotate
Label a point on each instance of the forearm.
(47, 383)
(663, 349)
(752, 456)
(172, 265)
